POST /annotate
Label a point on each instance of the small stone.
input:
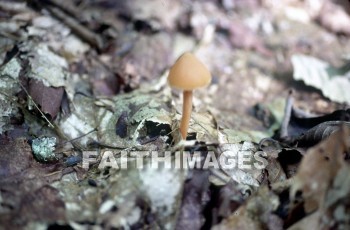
(43, 148)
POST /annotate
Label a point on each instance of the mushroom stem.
(186, 113)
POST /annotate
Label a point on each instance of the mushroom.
(187, 74)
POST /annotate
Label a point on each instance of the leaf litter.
(100, 79)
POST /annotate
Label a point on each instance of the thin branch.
(36, 106)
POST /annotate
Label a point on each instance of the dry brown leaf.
(48, 98)
(257, 213)
(318, 169)
(310, 222)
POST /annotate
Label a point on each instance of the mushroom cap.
(188, 73)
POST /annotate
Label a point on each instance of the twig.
(74, 139)
(36, 106)
(60, 12)
(65, 6)
(86, 34)
(71, 141)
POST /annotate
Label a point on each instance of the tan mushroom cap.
(188, 73)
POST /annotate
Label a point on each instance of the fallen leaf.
(47, 98)
(318, 169)
(334, 83)
(256, 213)
(9, 87)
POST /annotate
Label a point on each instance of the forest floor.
(84, 99)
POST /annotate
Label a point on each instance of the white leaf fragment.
(321, 75)
(163, 187)
(48, 67)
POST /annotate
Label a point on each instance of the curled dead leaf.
(319, 167)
